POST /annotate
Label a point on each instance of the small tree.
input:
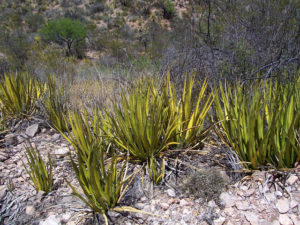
(64, 31)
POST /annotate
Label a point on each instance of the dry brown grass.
(91, 93)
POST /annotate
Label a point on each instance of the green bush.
(64, 31)
(169, 10)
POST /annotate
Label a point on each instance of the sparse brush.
(40, 174)
(190, 111)
(18, 95)
(262, 126)
(55, 102)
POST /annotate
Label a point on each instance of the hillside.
(218, 38)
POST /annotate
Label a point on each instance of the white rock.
(283, 205)
(278, 194)
(293, 204)
(244, 188)
(285, 220)
(40, 195)
(270, 197)
(295, 219)
(3, 190)
(249, 192)
(61, 152)
(183, 202)
(171, 193)
(44, 130)
(144, 199)
(252, 217)
(242, 205)
(32, 130)
(275, 222)
(55, 137)
(229, 211)
(292, 180)
(212, 204)
(265, 188)
(220, 221)
(264, 222)
(164, 205)
(66, 217)
(30, 210)
(3, 156)
(20, 139)
(51, 220)
(139, 205)
(227, 199)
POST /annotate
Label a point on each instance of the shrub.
(16, 45)
(64, 31)
(97, 7)
(34, 21)
(168, 7)
(18, 95)
(207, 185)
(126, 3)
(40, 174)
(263, 126)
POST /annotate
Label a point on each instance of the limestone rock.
(252, 217)
(242, 205)
(164, 205)
(184, 202)
(61, 152)
(3, 190)
(55, 137)
(283, 205)
(3, 156)
(30, 210)
(171, 193)
(292, 180)
(284, 219)
(227, 199)
(51, 220)
(220, 221)
(32, 130)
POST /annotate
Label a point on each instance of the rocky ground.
(256, 198)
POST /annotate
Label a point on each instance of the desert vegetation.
(134, 85)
